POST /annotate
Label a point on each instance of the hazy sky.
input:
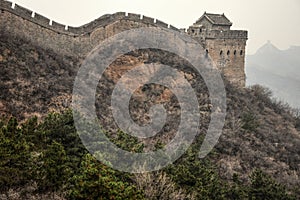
(275, 20)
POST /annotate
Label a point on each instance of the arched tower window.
(228, 52)
(206, 53)
(241, 53)
(221, 52)
(234, 53)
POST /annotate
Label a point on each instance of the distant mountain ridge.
(278, 70)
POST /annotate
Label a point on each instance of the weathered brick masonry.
(225, 47)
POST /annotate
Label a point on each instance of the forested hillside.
(257, 157)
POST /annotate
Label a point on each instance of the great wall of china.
(79, 41)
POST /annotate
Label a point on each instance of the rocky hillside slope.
(258, 133)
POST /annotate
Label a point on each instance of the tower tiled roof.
(216, 19)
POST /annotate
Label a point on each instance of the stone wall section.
(79, 41)
(229, 56)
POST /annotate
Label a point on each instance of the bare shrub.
(22, 194)
(158, 185)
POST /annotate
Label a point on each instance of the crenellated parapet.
(82, 30)
(230, 34)
(32, 17)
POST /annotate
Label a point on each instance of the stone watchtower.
(225, 47)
